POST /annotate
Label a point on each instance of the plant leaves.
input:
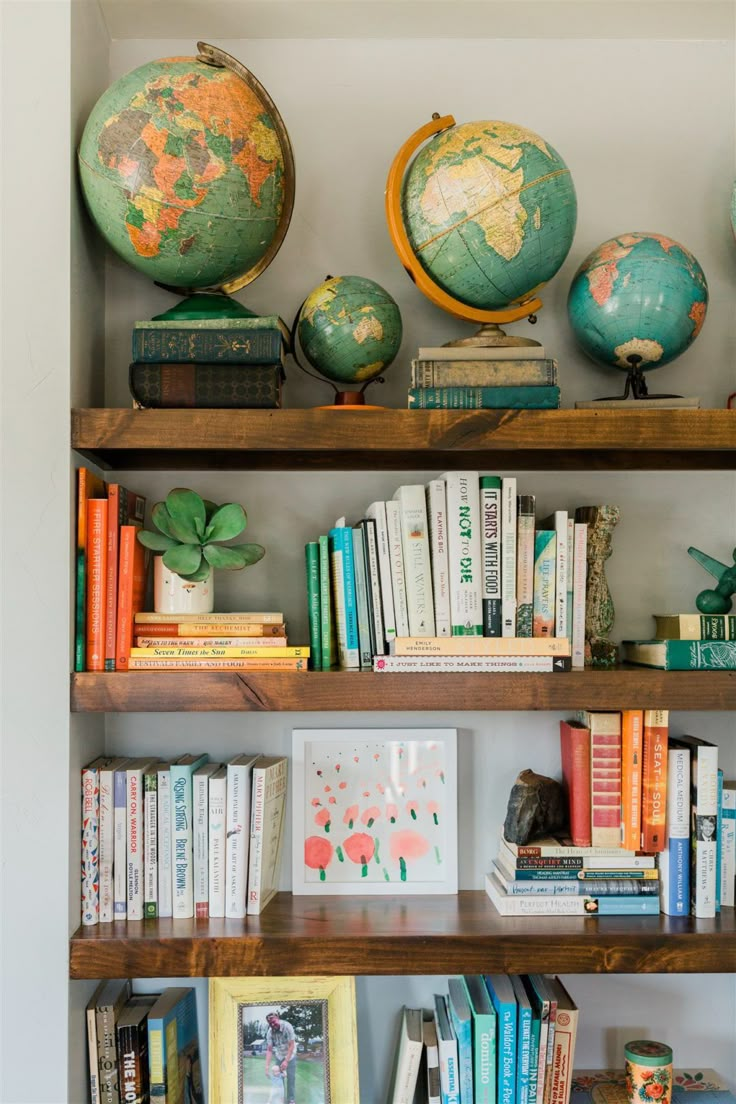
(161, 519)
(210, 508)
(157, 542)
(200, 575)
(184, 507)
(234, 557)
(229, 521)
(184, 559)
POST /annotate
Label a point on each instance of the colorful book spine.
(200, 838)
(447, 1046)
(696, 626)
(120, 843)
(576, 887)
(135, 837)
(226, 663)
(540, 1029)
(566, 1026)
(484, 398)
(398, 580)
(238, 834)
(123, 507)
(217, 841)
(182, 837)
(439, 555)
(246, 634)
(96, 554)
(523, 1040)
(326, 625)
(365, 635)
(654, 780)
(503, 999)
(484, 373)
(605, 777)
(89, 486)
(490, 518)
(682, 655)
(343, 576)
(165, 883)
(247, 651)
(579, 592)
(214, 386)
(228, 344)
(189, 620)
(377, 512)
(728, 844)
(464, 547)
(313, 604)
(90, 844)
(703, 823)
(110, 1002)
(264, 644)
(525, 565)
(674, 860)
(563, 566)
(508, 556)
(570, 575)
(460, 1016)
(632, 724)
(131, 592)
(479, 664)
(545, 558)
(373, 576)
(417, 567)
(508, 904)
(132, 1046)
(150, 843)
(484, 1040)
(576, 765)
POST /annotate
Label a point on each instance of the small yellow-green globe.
(350, 329)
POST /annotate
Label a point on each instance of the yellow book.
(249, 652)
(146, 663)
(480, 646)
(149, 618)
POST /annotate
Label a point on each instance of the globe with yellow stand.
(482, 216)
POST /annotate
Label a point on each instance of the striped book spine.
(605, 777)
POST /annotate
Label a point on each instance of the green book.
(211, 341)
(682, 655)
(327, 628)
(313, 604)
(484, 1039)
(484, 398)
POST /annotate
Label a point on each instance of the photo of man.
(284, 1053)
(281, 1045)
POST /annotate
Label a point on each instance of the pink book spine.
(605, 778)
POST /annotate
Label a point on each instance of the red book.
(131, 592)
(605, 778)
(123, 507)
(575, 755)
(631, 764)
(96, 579)
(654, 780)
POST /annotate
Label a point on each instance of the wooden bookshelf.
(401, 935)
(602, 440)
(350, 691)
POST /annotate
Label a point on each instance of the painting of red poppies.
(374, 811)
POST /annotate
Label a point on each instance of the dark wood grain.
(350, 691)
(406, 439)
(401, 935)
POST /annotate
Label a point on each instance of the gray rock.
(537, 807)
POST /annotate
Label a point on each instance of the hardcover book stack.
(213, 642)
(209, 362)
(484, 377)
(457, 575)
(491, 1038)
(182, 838)
(687, 642)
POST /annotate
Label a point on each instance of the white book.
(361, 598)
(417, 566)
(396, 552)
(728, 844)
(525, 560)
(509, 904)
(570, 574)
(703, 824)
(120, 842)
(508, 556)
(182, 836)
(238, 833)
(488, 664)
(267, 820)
(150, 842)
(407, 1059)
(107, 838)
(429, 1031)
(439, 555)
(377, 512)
(200, 837)
(674, 860)
(481, 352)
(373, 578)
(579, 593)
(165, 883)
(216, 841)
(447, 1047)
(464, 549)
(135, 836)
(558, 522)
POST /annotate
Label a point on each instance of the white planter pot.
(172, 594)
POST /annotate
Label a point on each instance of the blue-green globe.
(490, 211)
(637, 296)
(349, 329)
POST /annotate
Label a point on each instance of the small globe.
(186, 172)
(490, 211)
(637, 296)
(349, 329)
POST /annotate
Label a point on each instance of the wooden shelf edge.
(401, 935)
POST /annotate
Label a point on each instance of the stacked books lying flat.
(687, 642)
(484, 377)
(182, 838)
(457, 575)
(492, 1037)
(209, 362)
(143, 1046)
(213, 642)
(610, 1085)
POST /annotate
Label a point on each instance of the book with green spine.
(313, 604)
(545, 558)
(211, 340)
(327, 628)
(212, 386)
(484, 398)
(695, 626)
(682, 655)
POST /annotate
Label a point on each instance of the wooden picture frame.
(326, 1068)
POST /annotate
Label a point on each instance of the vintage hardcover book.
(365, 632)
(682, 655)
(703, 823)
(576, 765)
(417, 567)
(508, 556)
(398, 579)
(124, 507)
(135, 834)
(579, 592)
(605, 776)
(654, 780)
(536, 372)
(490, 520)
(150, 842)
(479, 646)
(267, 827)
(207, 386)
(211, 341)
(377, 512)
(217, 837)
(475, 352)
(209, 636)
(373, 582)
(503, 999)
(173, 1048)
(632, 737)
(200, 838)
(695, 626)
(96, 557)
(237, 846)
(447, 1045)
(478, 664)
(91, 843)
(311, 551)
(525, 566)
(132, 1039)
(561, 846)
(545, 559)
(728, 843)
(510, 904)
(111, 999)
(566, 1027)
(252, 663)
(523, 1039)
(89, 486)
(407, 1057)
(132, 574)
(674, 861)
(484, 398)
(439, 555)
(182, 836)
(242, 620)
(458, 1007)
(563, 566)
(107, 837)
(464, 550)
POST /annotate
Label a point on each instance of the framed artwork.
(283, 1040)
(374, 810)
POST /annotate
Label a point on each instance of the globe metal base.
(490, 336)
(636, 384)
(349, 400)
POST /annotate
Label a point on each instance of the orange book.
(631, 755)
(123, 507)
(654, 780)
(96, 556)
(89, 486)
(153, 628)
(131, 592)
(141, 663)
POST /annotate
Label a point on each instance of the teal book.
(343, 582)
(311, 551)
(484, 1040)
(211, 341)
(535, 1029)
(327, 629)
(459, 1008)
(182, 836)
(682, 655)
(365, 641)
(484, 373)
(503, 999)
(484, 398)
(539, 999)
(545, 560)
(523, 1039)
(173, 1048)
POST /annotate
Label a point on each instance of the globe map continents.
(185, 170)
(637, 295)
(489, 209)
(350, 329)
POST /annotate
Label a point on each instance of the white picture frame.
(381, 791)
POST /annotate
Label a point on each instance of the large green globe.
(640, 296)
(185, 170)
(349, 329)
(490, 211)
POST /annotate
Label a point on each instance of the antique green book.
(215, 386)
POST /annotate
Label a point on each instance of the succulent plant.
(189, 531)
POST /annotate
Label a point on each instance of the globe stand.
(636, 384)
(491, 336)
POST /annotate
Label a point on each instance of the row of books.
(209, 362)
(214, 642)
(182, 838)
(492, 1039)
(462, 557)
(687, 642)
(484, 377)
(143, 1046)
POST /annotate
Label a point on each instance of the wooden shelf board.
(401, 935)
(406, 439)
(351, 691)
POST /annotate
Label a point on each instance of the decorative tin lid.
(649, 1052)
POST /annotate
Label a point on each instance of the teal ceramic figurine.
(717, 600)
